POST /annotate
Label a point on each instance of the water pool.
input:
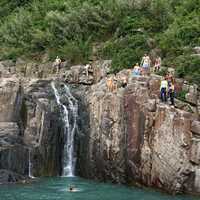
(57, 189)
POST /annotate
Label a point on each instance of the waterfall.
(69, 117)
(30, 165)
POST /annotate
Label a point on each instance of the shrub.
(125, 52)
(181, 95)
(69, 28)
(188, 67)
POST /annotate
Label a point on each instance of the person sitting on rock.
(111, 84)
(145, 63)
(163, 90)
(136, 70)
(157, 64)
(124, 81)
(171, 93)
(57, 64)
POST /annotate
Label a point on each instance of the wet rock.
(30, 122)
(13, 152)
(7, 176)
(44, 129)
(197, 180)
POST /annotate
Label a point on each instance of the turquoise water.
(57, 189)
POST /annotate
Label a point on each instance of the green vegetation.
(123, 28)
(181, 95)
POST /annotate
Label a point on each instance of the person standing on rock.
(57, 64)
(171, 93)
(157, 64)
(87, 67)
(145, 63)
(163, 90)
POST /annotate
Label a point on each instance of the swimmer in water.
(71, 189)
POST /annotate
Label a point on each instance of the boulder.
(7, 176)
(195, 127)
(101, 69)
(10, 99)
(195, 151)
(192, 94)
(13, 152)
(77, 74)
(196, 50)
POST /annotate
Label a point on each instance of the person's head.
(71, 188)
(145, 54)
(56, 57)
(137, 64)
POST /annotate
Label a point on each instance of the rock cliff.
(31, 128)
(123, 136)
(134, 138)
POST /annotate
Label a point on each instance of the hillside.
(123, 30)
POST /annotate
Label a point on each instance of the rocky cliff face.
(102, 157)
(12, 147)
(31, 129)
(159, 142)
(43, 128)
(124, 136)
(135, 138)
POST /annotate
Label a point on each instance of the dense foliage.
(121, 28)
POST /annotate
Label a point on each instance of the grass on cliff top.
(125, 30)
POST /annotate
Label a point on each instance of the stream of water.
(69, 116)
(57, 189)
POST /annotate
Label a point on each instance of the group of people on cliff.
(167, 88)
(144, 68)
(57, 66)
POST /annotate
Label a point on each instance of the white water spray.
(30, 165)
(70, 123)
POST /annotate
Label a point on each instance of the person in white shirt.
(157, 64)
(145, 63)
(57, 64)
(163, 90)
(87, 67)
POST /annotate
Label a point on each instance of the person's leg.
(161, 95)
(165, 95)
(172, 98)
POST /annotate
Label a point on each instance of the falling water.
(29, 165)
(70, 122)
